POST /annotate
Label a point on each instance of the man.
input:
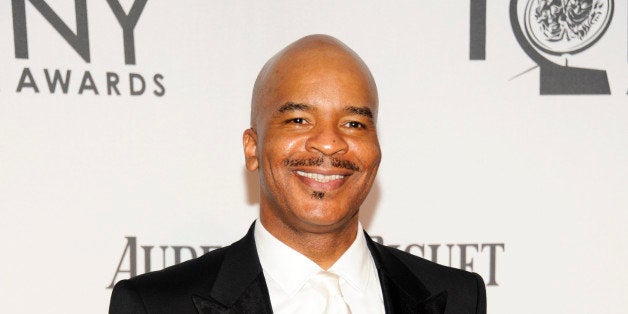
(313, 141)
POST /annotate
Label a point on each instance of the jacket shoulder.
(463, 287)
(168, 288)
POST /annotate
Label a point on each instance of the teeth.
(320, 177)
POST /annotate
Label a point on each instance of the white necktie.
(329, 284)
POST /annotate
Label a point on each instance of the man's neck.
(324, 245)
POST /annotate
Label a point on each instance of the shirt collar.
(356, 265)
(291, 269)
(287, 267)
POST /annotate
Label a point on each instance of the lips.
(320, 181)
(320, 177)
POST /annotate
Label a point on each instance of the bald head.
(320, 62)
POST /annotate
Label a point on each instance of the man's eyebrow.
(290, 106)
(363, 111)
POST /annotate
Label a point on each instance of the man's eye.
(297, 121)
(355, 125)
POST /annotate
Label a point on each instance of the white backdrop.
(471, 157)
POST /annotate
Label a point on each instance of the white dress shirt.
(286, 271)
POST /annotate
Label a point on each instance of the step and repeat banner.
(503, 126)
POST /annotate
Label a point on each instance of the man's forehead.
(318, 63)
(314, 64)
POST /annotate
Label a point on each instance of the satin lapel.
(240, 286)
(403, 292)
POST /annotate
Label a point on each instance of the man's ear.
(249, 141)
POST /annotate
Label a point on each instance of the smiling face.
(313, 138)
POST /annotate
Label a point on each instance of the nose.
(327, 140)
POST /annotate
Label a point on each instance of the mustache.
(319, 161)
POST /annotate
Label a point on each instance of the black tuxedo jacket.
(230, 280)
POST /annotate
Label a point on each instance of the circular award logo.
(561, 27)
